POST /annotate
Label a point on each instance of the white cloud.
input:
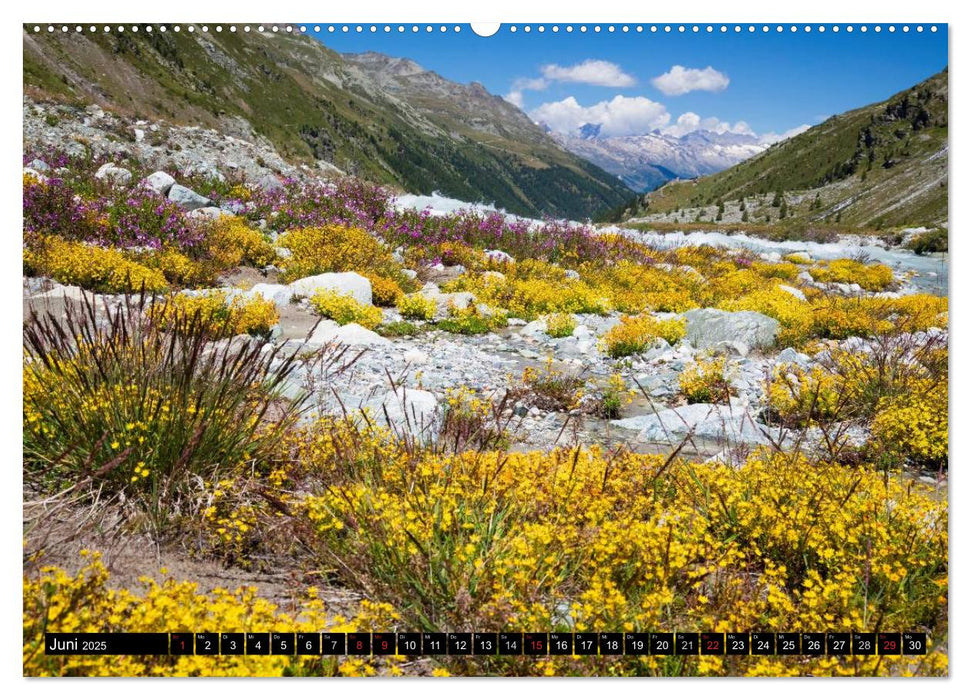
(689, 121)
(772, 137)
(680, 80)
(621, 116)
(590, 72)
(519, 85)
(635, 116)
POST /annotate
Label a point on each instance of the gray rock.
(792, 356)
(459, 300)
(39, 165)
(499, 256)
(730, 348)
(410, 274)
(493, 275)
(139, 135)
(280, 294)
(348, 283)
(269, 183)
(411, 411)
(571, 274)
(114, 174)
(328, 332)
(731, 424)
(805, 277)
(534, 328)
(186, 198)
(206, 213)
(706, 328)
(797, 293)
(62, 291)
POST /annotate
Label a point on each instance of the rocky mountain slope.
(385, 119)
(646, 161)
(882, 165)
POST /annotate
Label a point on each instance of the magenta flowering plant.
(54, 207)
(347, 202)
(142, 217)
(138, 217)
(551, 240)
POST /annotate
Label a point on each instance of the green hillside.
(313, 104)
(878, 166)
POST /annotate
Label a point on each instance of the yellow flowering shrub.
(224, 315)
(179, 269)
(706, 381)
(798, 258)
(93, 268)
(784, 270)
(87, 602)
(634, 288)
(230, 242)
(799, 397)
(635, 333)
(344, 309)
(240, 192)
(873, 277)
(384, 290)
(532, 288)
(471, 422)
(838, 318)
(334, 248)
(916, 312)
(733, 283)
(549, 389)
(417, 306)
(858, 385)
(560, 325)
(574, 539)
(913, 426)
(449, 253)
(471, 321)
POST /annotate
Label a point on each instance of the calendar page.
(449, 349)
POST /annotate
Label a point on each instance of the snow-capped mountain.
(645, 162)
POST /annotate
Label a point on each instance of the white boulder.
(114, 174)
(499, 256)
(411, 411)
(706, 328)
(328, 332)
(159, 181)
(346, 283)
(186, 198)
(797, 293)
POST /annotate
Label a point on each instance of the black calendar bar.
(69, 644)
(490, 643)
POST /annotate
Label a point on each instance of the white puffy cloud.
(590, 72)
(689, 121)
(621, 116)
(680, 80)
(515, 94)
(772, 137)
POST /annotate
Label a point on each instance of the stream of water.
(930, 272)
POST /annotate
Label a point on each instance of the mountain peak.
(590, 131)
(398, 67)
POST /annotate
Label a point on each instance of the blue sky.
(772, 82)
